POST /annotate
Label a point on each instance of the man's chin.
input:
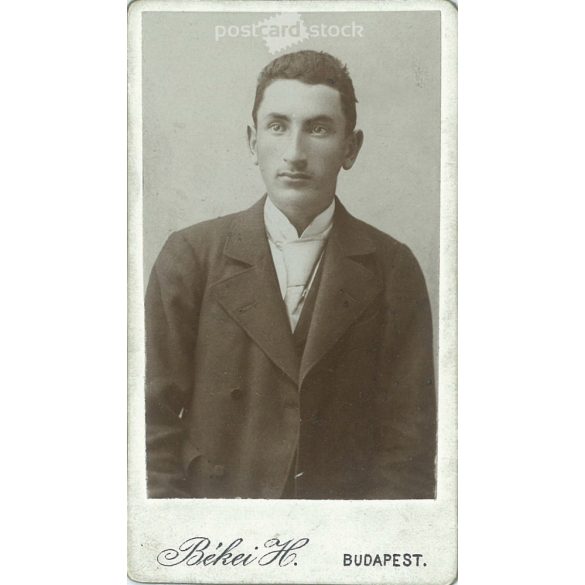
(291, 197)
(296, 196)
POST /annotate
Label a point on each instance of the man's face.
(300, 144)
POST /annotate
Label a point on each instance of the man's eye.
(320, 130)
(276, 127)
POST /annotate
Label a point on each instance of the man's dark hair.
(314, 68)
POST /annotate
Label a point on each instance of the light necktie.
(300, 258)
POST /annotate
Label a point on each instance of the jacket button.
(218, 471)
(236, 393)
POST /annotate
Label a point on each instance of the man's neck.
(300, 218)
(301, 223)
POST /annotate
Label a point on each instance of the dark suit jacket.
(232, 409)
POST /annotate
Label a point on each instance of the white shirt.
(307, 249)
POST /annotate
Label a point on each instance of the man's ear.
(354, 144)
(252, 143)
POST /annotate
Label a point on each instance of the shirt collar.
(280, 230)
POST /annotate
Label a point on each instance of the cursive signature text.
(199, 550)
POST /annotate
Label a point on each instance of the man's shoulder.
(393, 257)
(377, 235)
(212, 234)
(382, 241)
(208, 230)
(196, 243)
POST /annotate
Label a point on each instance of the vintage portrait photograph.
(281, 306)
(292, 220)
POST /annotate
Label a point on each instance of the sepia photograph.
(293, 254)
(281, 306)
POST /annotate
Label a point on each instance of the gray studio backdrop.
(197, 100)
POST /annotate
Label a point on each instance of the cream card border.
(427, 527)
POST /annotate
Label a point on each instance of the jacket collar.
(247, 242)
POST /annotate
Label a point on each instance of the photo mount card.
(292, 395)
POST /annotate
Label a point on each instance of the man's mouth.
(294, 176)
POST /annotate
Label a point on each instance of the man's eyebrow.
(312, 120)
(321, 118)
(276, 116)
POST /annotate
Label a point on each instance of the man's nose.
(294, 153)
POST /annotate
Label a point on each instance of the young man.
(289, 346)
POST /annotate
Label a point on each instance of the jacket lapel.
(347, 287)
(251, 295)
